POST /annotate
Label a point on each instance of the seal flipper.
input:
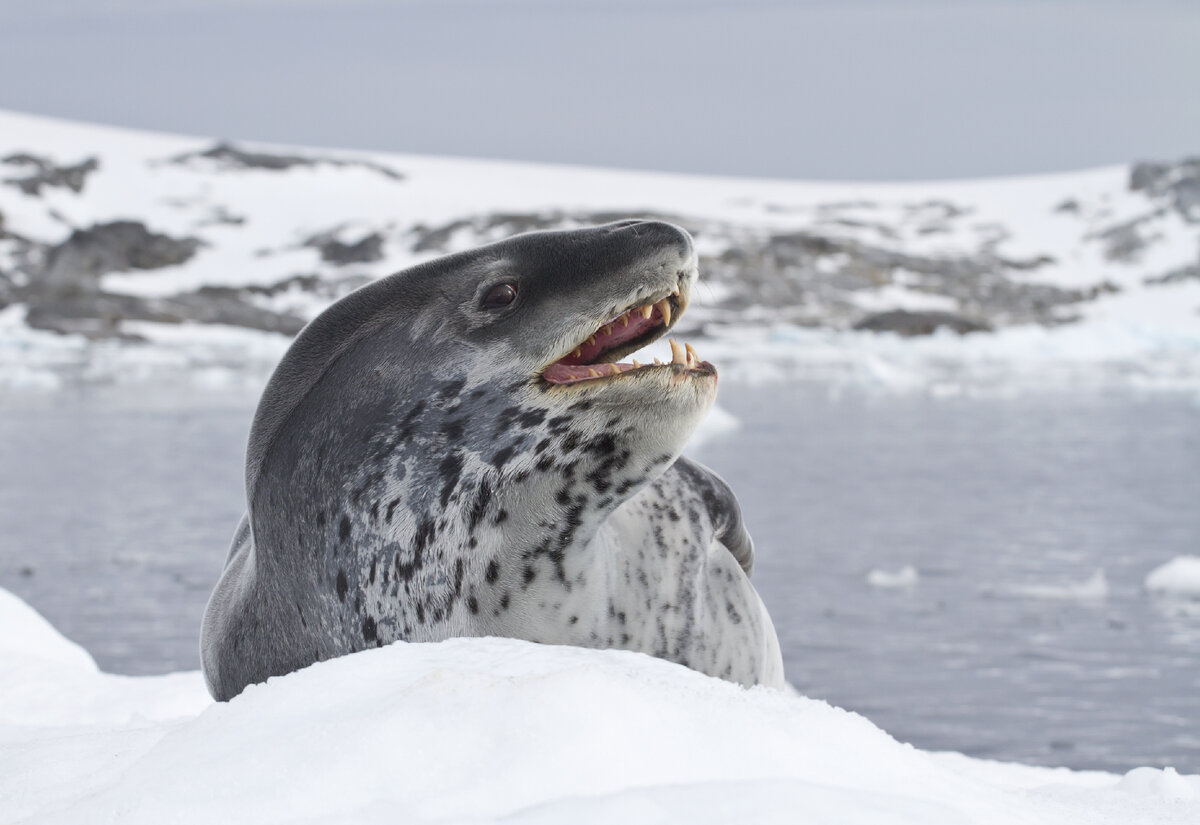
(723, 509)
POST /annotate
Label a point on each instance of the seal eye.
(500, 296)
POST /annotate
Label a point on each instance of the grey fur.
(409, 476)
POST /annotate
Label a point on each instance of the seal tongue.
(624, 328)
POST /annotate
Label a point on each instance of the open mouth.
(595, 357)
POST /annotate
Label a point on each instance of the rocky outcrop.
(46, 173)
(75, 265)
(101, 315)
(1178, 183)
(229, 156)
(63, 292)
(908, 324)
(340, 253)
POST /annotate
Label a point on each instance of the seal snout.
(659, 236)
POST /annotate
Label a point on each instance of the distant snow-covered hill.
(125, 254)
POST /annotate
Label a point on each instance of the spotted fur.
(410, 477)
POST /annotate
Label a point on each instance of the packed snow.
(1179, 577)
(489, 730)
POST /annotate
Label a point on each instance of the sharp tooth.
(664, 309)
(693, 358)
(591, 339)
(646, 311)
(678, 356)
(625, 320)
(592, 373)
(636, 365)
(607, 329)
(657, 363)
(577, 351)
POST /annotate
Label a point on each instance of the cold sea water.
(1031, 523)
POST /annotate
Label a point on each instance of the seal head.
(456, 450)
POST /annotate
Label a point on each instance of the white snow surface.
(1178, 577)
(494, 730)
(254, 224)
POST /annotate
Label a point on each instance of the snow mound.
(1165, 784)
(1095, 587)
(47, 680)
(906, 576)
(485, 730)
(1178, 577)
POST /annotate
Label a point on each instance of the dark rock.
(1178, 183)
(231, 157)
(76, 264)
(100, 315)
(47, 174)
(1124, 242)
(363, 251)
(908, 324)
(1183, 273)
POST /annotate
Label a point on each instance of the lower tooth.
(678, 356)
(592, 373)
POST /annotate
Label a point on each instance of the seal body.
(455, 451)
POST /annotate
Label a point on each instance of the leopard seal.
(455, 450)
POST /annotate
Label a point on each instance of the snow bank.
(485, 730)
(1178, 577)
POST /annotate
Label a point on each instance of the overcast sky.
(806, 89)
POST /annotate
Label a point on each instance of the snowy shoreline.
(487, 730)
(129, 257)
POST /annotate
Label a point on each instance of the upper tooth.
(591, 339)
(646, 311)
(625, 320)
(608, 329)
(678, 356)
(664, 309)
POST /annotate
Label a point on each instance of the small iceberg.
(1180, 577)
(906, 576)
(1095, 587)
